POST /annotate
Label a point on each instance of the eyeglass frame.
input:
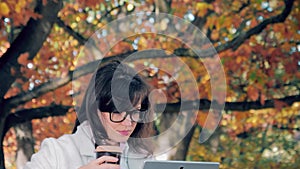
(127, 113)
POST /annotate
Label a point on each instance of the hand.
(99, 163)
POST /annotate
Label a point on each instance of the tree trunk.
(183, 147)
(176, 132)
(25, 143)
(2, 134)
(165, 140)
(29, 40)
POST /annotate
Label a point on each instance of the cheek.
(108, 125)
(134, 125)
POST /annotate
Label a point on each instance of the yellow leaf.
(201, 5)
(4, 9)
(18, 8)
(215, 35)
(202, 8)
(20, 5)
(236, 5)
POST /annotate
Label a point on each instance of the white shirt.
(72, 151)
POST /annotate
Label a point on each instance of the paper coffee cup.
(105, 150)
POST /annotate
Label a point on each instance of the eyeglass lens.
(135, 116)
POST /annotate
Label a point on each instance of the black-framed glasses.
(135, 116)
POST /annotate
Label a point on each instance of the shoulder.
(82, 136)
(57, 146)
(47, 157)
(56, 153)
(60, 144)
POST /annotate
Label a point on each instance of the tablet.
(170, 164)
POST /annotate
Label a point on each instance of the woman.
(115, 109)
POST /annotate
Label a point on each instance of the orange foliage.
(258, 70)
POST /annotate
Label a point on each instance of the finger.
(110, 166)
(103, 159)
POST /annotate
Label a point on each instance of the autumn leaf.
(215, 35)
(252, 93)
(201, 118)
(4, 9)
(202, 8)
(286, 46)
(291, 67)
(20, 5)
(258, 67)
(23, 59)
(262, 99)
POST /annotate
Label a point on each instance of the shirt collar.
(86, 143)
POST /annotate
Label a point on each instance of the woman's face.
(119, 132)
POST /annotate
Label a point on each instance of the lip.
(124, 132)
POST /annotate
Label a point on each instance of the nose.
(127, 121)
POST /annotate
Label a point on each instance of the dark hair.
(118, 87)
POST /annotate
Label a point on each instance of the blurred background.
(258, 42)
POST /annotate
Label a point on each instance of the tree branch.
(69, 30)
(91, 67)
(60, 110)
(82, 40)
(24, 97)
(56, 83)
(29, 40)
(244, 5)
(35, 113)
(286, 128)
(246, 134)
(205, 104)
(242, 37)
(236, 42)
